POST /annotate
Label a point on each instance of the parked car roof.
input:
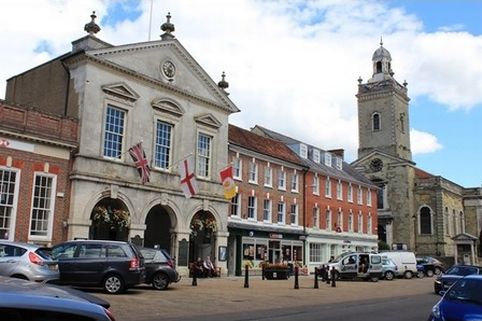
(25, 300)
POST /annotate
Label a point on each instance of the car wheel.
(420, 274)
(389, 275)
(438, 271)
(408, 274)
(160, 281)
(113, 284)
(429, 273)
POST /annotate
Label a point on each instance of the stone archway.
(110, 220)
(158, 226)
(202, 241)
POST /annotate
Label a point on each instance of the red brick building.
(266, 221)
(340, 203)
(35, 163)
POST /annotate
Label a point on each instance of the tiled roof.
(422, 174)
(262, 145)
(347, 173)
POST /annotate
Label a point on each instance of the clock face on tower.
(376, 164)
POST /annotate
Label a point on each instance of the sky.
(293, 65)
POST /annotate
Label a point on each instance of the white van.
(405, 261)
(358, 265)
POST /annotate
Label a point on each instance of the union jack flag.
(139, 158)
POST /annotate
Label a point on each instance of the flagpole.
(177, 162)
(117, 156)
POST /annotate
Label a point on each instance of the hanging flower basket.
(210, 225)
(117, 217)
(196, 224)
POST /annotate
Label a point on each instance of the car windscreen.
(148, 254)
(466, 290)
(462, 270)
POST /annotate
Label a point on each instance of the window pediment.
(168, 106)
(208, 120)
(121, 90)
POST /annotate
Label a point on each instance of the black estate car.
(160, 268)
(113, 265)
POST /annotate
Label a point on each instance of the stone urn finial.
(168, 28)
(91, 27)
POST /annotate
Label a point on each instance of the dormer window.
(303, 151)
(316, 156)
(328, 159)
(339, 163)
(376, 122)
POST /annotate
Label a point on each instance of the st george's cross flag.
(188, 179)
(140, 159)
(228, 182)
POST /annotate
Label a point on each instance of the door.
(274, 252)
(64, 254)
(349, 266)
(10, 259)
(90, 263)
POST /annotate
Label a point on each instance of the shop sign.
(275, 236)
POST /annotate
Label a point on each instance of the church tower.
(383, 120)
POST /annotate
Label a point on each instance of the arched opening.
(425, 221)
(202, 241)
(379, 66)
(158, 223)
(376, 122)
(110, 220)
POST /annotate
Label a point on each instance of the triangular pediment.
(121, 90)
(208, 120)
(464, 237)
(168, 106)
(167, 65)
(384, 156)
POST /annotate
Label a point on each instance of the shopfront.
(271, 245)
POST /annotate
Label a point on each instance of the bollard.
(246, 276)
(194, 277)
(297, 285)
(262, 271)
(316, 278)
(333, 277)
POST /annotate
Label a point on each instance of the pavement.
(228, 295)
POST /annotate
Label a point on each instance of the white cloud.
(423, 143)
(292, 65)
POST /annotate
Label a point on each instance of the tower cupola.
(382, 68)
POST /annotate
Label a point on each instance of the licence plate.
(53, 267)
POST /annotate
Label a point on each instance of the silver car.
(27, 261)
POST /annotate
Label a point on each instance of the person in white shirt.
(209, 267)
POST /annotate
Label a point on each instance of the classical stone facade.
(417, 211)
(155, 93)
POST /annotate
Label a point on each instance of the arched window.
(376, 122)
(379, 66)
(425, 220)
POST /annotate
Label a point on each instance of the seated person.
(208, 266)
(363, 265)
(197, 268)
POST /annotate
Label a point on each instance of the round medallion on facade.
(168, 69)
(376, 164)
